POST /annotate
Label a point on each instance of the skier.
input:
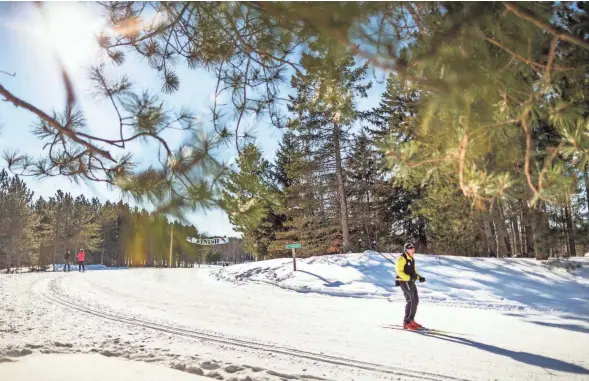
(67, 256)
(81, 257)
(406, 276)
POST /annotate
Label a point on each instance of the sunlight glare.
(71, 30)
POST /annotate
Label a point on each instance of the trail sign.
(208, 241)
(294, 246)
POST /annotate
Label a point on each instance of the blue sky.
(29, 49)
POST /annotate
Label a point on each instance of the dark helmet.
(408, 246)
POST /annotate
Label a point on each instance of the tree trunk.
(516, 235)
(586, 178)
(506, 237)
(500, 232)
(564, 242)
(491, 252)
(341, 190)
(528, 229)
(570, 229)
(18, 254)
(541, 232)
(9, 256)
(422, 236)
(103, 247)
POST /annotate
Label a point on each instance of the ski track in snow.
(190, 321)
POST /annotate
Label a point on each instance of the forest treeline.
(36, 232)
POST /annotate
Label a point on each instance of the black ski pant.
(81, 266)
(412, 298)
(66, 266)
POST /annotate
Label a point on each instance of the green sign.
(293, 246)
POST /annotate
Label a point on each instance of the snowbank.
(497, 283)
(88, 367)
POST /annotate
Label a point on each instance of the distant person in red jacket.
(81, 256)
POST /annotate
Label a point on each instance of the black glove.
(421, 279)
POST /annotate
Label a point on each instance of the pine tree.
(368, 223)
(309, 204)
(249, 199)
(396, 112)
(17, 221)
(45, 233)
(395, 120)
(324, 109)
(287, 151)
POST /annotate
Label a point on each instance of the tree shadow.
(524, 357)
(515, 287)
(569, 327)
(518, 284)
(574, 317)
(328, 283)
(566, 317)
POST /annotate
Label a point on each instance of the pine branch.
(154, 33)
(17, 102)
(98, 75)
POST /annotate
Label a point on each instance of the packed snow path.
(186, 312)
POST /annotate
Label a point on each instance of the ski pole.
(382, 255)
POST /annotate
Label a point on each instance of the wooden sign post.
(294, 246)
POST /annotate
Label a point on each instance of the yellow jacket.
(406, 268)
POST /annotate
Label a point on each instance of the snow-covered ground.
(503, 320)
(490, 283)
(87, 367)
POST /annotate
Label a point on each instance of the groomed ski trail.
(194, 334)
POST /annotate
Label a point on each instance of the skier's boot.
(410, 327)
(415, 324)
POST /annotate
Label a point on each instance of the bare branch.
(528, 154)
(462, 148)
(542, 24)
(514, 54)
(216, 96)
(526, 60)
(242, 111)
(100, 76)
(551, 55)
(553, 152)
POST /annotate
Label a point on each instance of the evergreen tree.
(395, 119)
(17, 221)
(324, 109)
(249, 198)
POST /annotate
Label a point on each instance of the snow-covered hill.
(497, 283)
